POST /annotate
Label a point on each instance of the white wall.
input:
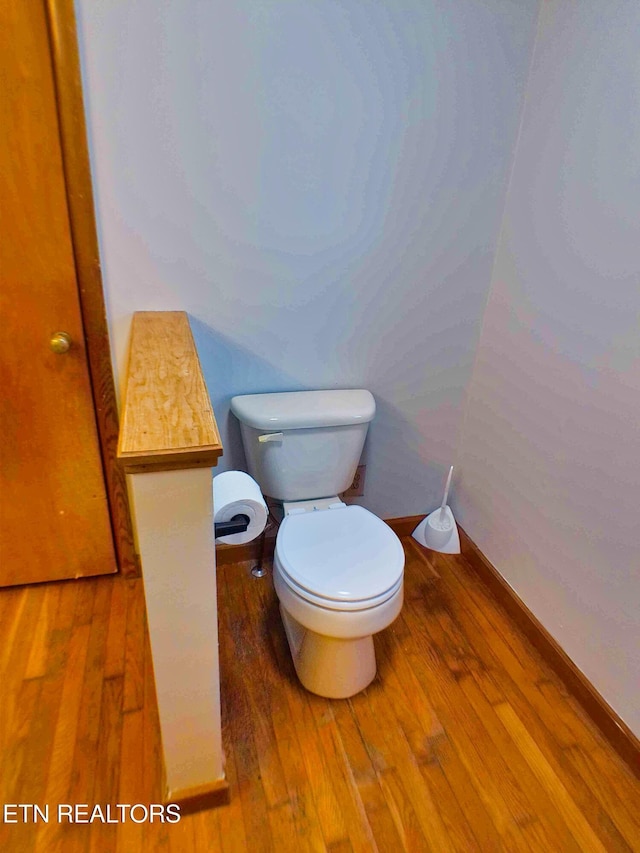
(319, 184)
(550, 455)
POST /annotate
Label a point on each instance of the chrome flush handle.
(270, 436)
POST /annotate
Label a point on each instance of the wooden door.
(54, 514)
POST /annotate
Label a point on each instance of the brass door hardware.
(60, 342)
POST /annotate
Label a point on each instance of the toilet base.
(332, 667)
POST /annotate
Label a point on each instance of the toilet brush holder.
(439, 531)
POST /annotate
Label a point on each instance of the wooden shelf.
(167, 419)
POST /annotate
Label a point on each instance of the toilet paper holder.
(236, 524)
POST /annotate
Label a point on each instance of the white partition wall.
(174, 520)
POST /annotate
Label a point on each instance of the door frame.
(77, 173)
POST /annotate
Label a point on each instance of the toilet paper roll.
(234, 493)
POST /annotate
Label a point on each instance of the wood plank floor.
(465, 741)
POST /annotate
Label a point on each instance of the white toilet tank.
(304, 444)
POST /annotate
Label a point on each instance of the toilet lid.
(343, 554)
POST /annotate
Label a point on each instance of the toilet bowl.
(338, 569)
(338, 574)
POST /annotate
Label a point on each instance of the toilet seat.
(343, 558)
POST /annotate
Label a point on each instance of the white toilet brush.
(439, 530)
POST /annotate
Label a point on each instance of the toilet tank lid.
(304, 409)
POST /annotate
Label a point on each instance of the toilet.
(338, 569)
